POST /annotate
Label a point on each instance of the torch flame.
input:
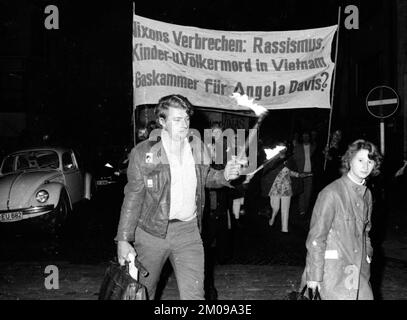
(243, 100)
(270, 153)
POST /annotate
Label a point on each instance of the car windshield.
(30, 160)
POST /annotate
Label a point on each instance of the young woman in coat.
(339, 251)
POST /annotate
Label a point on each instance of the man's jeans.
(183, 245)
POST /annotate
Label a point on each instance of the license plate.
(11, 216)
(104, 182)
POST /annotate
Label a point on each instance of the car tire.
(62, 213)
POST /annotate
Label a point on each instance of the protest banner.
(279, 70)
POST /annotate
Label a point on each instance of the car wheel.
(61, 212)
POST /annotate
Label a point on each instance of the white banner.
(279, 70)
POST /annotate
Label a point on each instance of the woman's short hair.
(174, 101)
(355, 147)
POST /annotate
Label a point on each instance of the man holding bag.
(164, 200)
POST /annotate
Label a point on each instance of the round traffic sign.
(382, 102)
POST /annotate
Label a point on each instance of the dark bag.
(295, 295)
(118, 284)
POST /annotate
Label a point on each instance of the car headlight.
(42, 196)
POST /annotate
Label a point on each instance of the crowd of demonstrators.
(161, 214)
(339, 250)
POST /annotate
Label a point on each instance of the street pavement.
(396, 248)
(266, 266)
(26, 280)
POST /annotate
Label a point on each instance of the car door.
(73, 176)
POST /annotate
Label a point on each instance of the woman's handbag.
(295, 295)
(118, 284)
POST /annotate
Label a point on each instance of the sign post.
(382, 136)
(382, 102)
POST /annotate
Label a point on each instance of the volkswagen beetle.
(41, 185)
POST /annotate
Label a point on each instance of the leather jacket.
(146, 201)
(338, 241)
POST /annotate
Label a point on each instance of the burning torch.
(270, 154)
(260, 111)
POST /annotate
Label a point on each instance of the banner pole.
(134, 113)
(333, 84)
(134, 126)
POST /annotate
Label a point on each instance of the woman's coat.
(338, 241)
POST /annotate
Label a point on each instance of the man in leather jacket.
(164, 200)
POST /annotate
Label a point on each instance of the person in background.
(333, 155)
(2, 153)
(294, 139)
(317, 165)
(281, 190)
(164, 200)
(236, 194)
(215, 226)
(339, 250)
(303, 157)
(150, 127)
(141, 134)
(219, 197)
